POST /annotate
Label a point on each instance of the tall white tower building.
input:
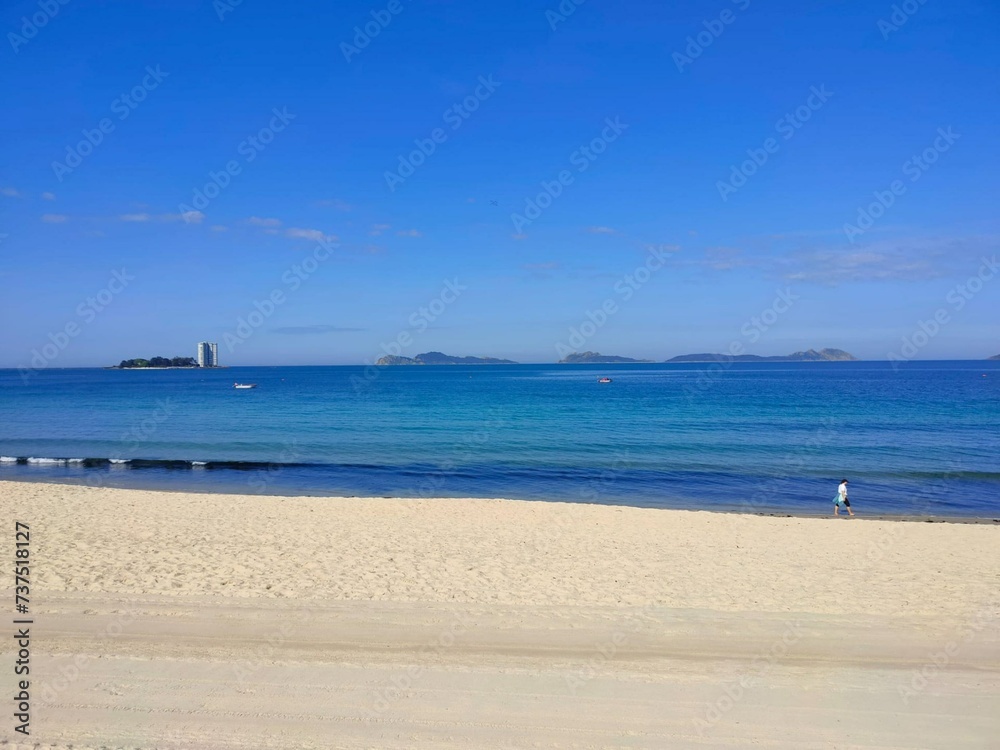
(208, 354)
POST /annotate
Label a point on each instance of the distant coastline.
(171, 367)
(811, 355)
(438, 358)
(585, 358)
(161, 363)
(596, 358)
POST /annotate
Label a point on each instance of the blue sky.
(309, 209)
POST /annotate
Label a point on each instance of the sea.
(915, 439)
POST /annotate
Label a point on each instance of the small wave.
(158, 463)
(161, 463)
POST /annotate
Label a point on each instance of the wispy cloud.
(725, 258)
(55, 218)
(409, 233)
(219, 228)
(314, 329)
(188, 217)
(542, 271)
(9, 192)
(806, 234)
(601, 230)
(550, 266)
(519, 237)
(48, 196)
(835, 267)
(899, 260)
(377, 229)
(259, 221)
(308, 234)
(336, 203)
(663, 248)
(191, 217)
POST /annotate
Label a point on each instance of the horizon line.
(763, 361)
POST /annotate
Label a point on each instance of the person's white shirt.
(842, 489)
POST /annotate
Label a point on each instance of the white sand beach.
(177, 620)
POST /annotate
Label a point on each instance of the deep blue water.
(768, 437)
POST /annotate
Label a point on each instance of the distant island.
(437, 358)
(823, 355)
(142, 364)
(995, 356)
(596, 358)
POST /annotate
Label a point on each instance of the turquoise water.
(768, 437)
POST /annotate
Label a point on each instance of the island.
(823, 355)
(155, 362)
(995, 356)
(596, 358)
(437, 358)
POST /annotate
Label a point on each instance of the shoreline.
(859, 515)
(589, 553)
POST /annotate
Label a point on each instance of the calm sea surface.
(775, 437)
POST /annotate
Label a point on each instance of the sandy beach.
(176, 620)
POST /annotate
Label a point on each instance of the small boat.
(604, 380)
(244, 386)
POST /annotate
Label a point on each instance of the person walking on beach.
(841, 499)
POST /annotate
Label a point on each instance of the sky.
(325, 183)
